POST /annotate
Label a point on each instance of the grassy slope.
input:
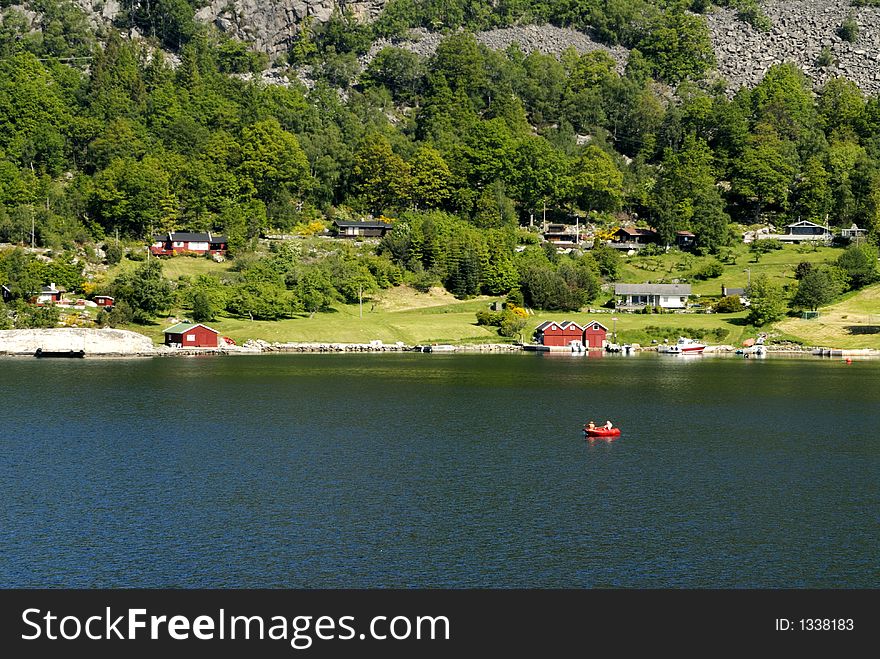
(851, 323)
(398, 315)
(402, 314)
(780, 263)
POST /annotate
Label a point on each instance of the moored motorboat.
(684, 346)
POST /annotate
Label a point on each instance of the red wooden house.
(182, 242)
(551, 333)
(591, 335)
(594, 334)
(104, 301)
(49, 295)
(189, 335)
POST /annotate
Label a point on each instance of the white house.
(800, 232)
(637, 296)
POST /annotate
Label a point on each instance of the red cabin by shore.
(591, 335)
(103, 301)
(551, 333)
(189, 335)
(594, 334)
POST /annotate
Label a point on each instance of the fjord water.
(416, 470)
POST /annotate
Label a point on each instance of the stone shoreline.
(123, 343)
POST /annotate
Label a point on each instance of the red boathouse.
(594, 334)
(554, 334)
(551, 333)
(188, 335)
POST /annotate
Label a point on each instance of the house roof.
(595, 322)
(190, 236)
(51, 289)
(564, 325)
(181, 328)
(105, 297)
(807, 223)
(687, 234)
(652, 289)
(363, 225)
(635, 231)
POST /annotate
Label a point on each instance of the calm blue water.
(439, 470)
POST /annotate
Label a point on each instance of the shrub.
(492, 318)
(114, 253)
(512, 324)
(803, 268)
(729, 304)
(849, 29)
(825, 58)
(709, 271)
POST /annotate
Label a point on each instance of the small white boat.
(683, 346)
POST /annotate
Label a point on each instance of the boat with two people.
(592, 431)
(684, 346)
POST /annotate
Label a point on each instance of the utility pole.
(33, 227)
(361, 300)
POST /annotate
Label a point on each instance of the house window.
(178, 244)
(190, 337)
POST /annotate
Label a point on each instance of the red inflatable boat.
(602, 432)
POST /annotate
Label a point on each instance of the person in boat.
(608, 425)
(590, 426)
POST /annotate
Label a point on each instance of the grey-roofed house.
(638, 296)
(371, 229)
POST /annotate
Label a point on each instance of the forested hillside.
(171, 130)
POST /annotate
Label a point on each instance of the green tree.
(314, 292)
(145, 290)
(767, 303)
(859, 262)
(765, 173)
(273, 160)
(597, 183)
(381, 178)
(431, 179)
(259, 300)
(815, 289)
(134, 196)
(678, 46)
(540, 173)
(813, 192)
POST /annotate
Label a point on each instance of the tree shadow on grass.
(863, 329)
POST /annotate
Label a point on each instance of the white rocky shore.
(94, 342)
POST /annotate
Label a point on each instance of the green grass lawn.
(854, 322)
(426, 320)
(175, 267)
(776, 264)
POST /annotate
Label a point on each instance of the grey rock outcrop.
(546, 39)
(271, 24)
(801, 28)
(106, 342)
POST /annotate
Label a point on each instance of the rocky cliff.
(800, 31)
(270, 24)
